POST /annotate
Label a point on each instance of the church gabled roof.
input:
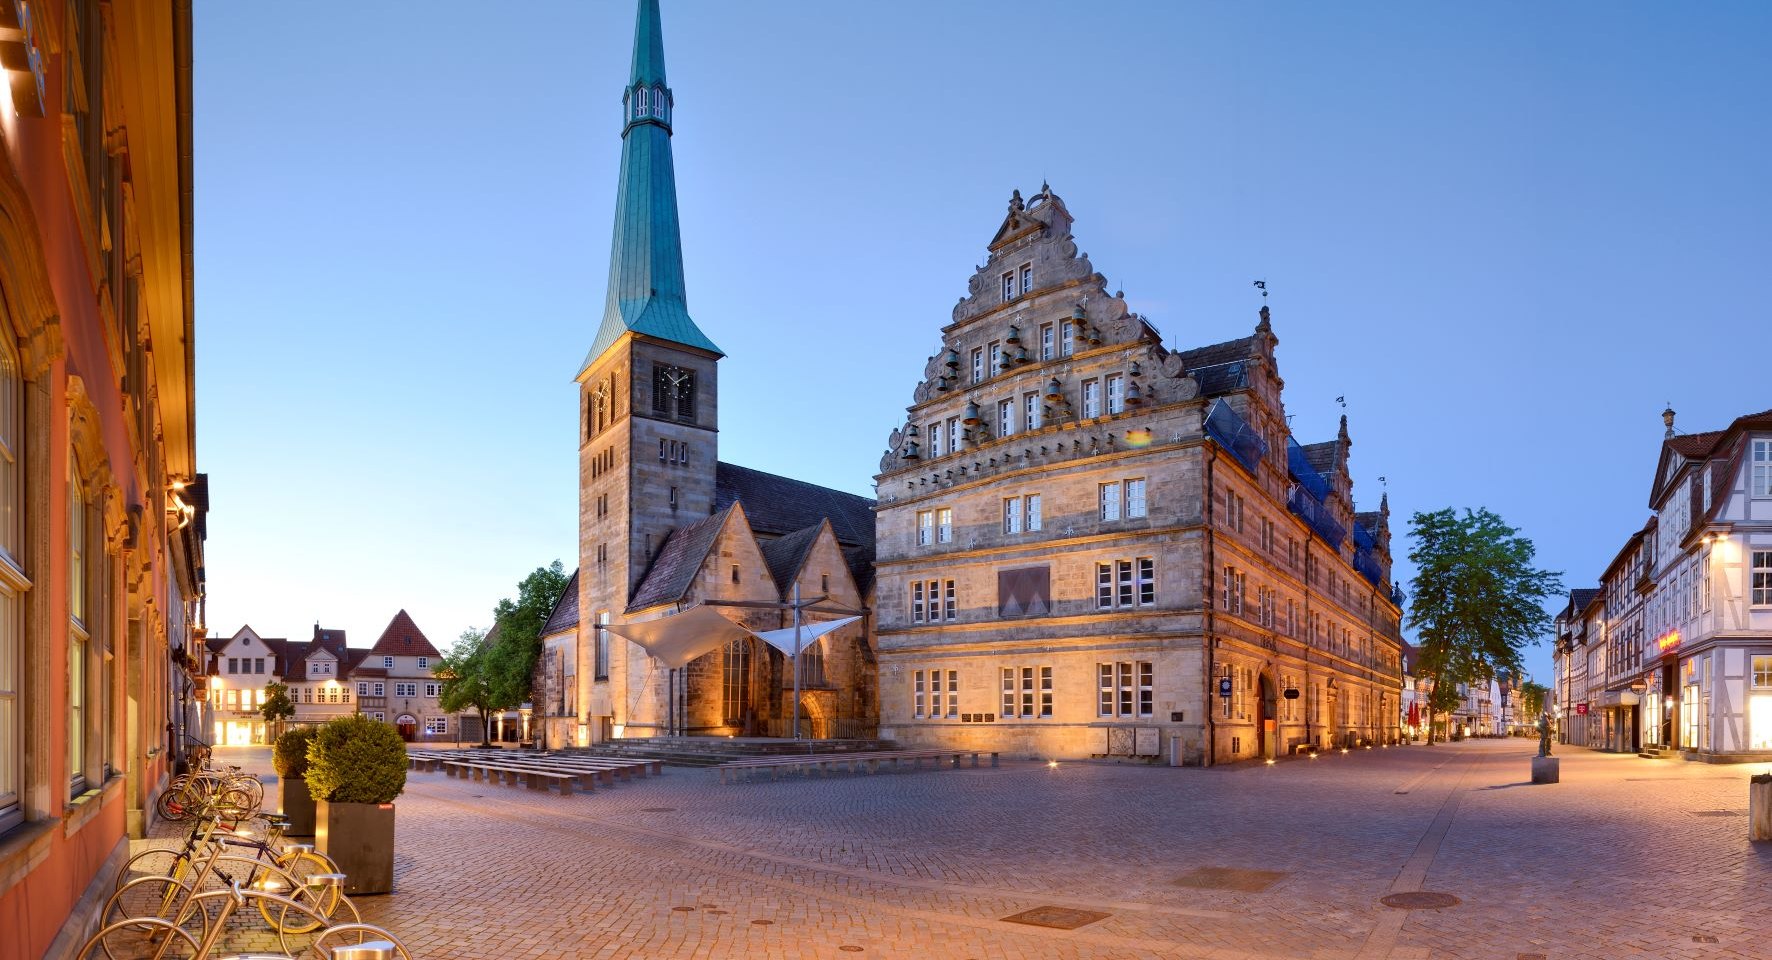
(785, 556)
(778, 506)
(680, 558)
(646, 291)
(564, 616)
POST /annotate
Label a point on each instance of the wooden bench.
(823, 763)
(508, 773)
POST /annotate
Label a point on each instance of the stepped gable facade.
(1089, 544)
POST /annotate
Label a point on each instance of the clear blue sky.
(1508, 233)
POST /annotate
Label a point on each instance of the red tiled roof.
(403, 638)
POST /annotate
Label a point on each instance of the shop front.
(1620, 710)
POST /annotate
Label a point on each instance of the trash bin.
(1759, 807)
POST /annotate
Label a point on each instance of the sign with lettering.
(1668, 640)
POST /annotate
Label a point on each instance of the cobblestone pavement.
(1625, 858)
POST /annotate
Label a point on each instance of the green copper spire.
(646, 292)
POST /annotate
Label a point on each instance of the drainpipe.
(1207, 638)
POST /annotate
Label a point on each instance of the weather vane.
(1262, 286)
(1342, 401)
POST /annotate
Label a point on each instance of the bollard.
(1759, 807)
(367, 950)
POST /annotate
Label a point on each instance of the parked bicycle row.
(233, 886)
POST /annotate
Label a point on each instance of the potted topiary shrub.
(356, 767)
(289, 757)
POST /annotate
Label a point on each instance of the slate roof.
(1321, 457)
(564, 616)
(1371, 520)
(861, 567)
(777, 506)
(678, 561)
(403, 638)
(786, 555)
(1580, 598)
(1220, 367)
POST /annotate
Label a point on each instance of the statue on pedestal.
(1544, 735)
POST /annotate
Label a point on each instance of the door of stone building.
(1266, 709)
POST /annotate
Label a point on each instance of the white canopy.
(783, 640)
(681, 637)
(677, 639)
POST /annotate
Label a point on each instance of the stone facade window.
(1032, 504)
(1008, 287)
(1067, 337)
(1110, 500)
(933, 601)
(1116, 394)
(1046, 342)
(1012, 515)
(1027, 278)
(1126, 583)
(1005, 418)
(1031, 410)
(925, 527)
(977, 364)
(1027, 693)
(1135, 498)
(1091, 399)
(1127, 688)
(944, 525)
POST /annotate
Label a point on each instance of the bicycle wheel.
(174, 805)
(158, 862)
(234, 804)
(323, 900)
(160, 899)
(129, 939)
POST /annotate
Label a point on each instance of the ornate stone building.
(666, 528)
(1090, 544)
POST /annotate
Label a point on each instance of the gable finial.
(1015, 204)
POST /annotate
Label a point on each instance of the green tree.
(1479, 600)
(518, 628)
(277, 705)
(1533, 697)
(466, 672)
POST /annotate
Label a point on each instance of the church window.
(944, 525)
(735, 573)
(1046, 342)
(1008, 287)
(977, 364)
(824, 583)
(640, 102)
(1027, 278)
(1030, 411)
(600, 666)
(736, 686)
(1116, 394)
(1067, 337)
(1005, 418)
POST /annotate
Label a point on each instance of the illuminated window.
(1763, 673)
(1127, 689)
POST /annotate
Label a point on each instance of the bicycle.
(156, 937)
(295, 861)
(232, 790)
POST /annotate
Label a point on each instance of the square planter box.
(359, 837)
(298, 805)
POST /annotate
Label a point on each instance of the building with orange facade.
(101, 506)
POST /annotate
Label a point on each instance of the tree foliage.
(518, 625)
(1478, 600)
(354, 759)
(1533, 697)
(278, 705)
(465, 671)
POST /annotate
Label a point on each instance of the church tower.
(647, 391)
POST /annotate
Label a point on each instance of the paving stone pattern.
(1615, 861)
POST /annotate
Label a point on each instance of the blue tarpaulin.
(1235, 435)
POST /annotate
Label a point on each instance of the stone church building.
(1090, 544)
(666, 529)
